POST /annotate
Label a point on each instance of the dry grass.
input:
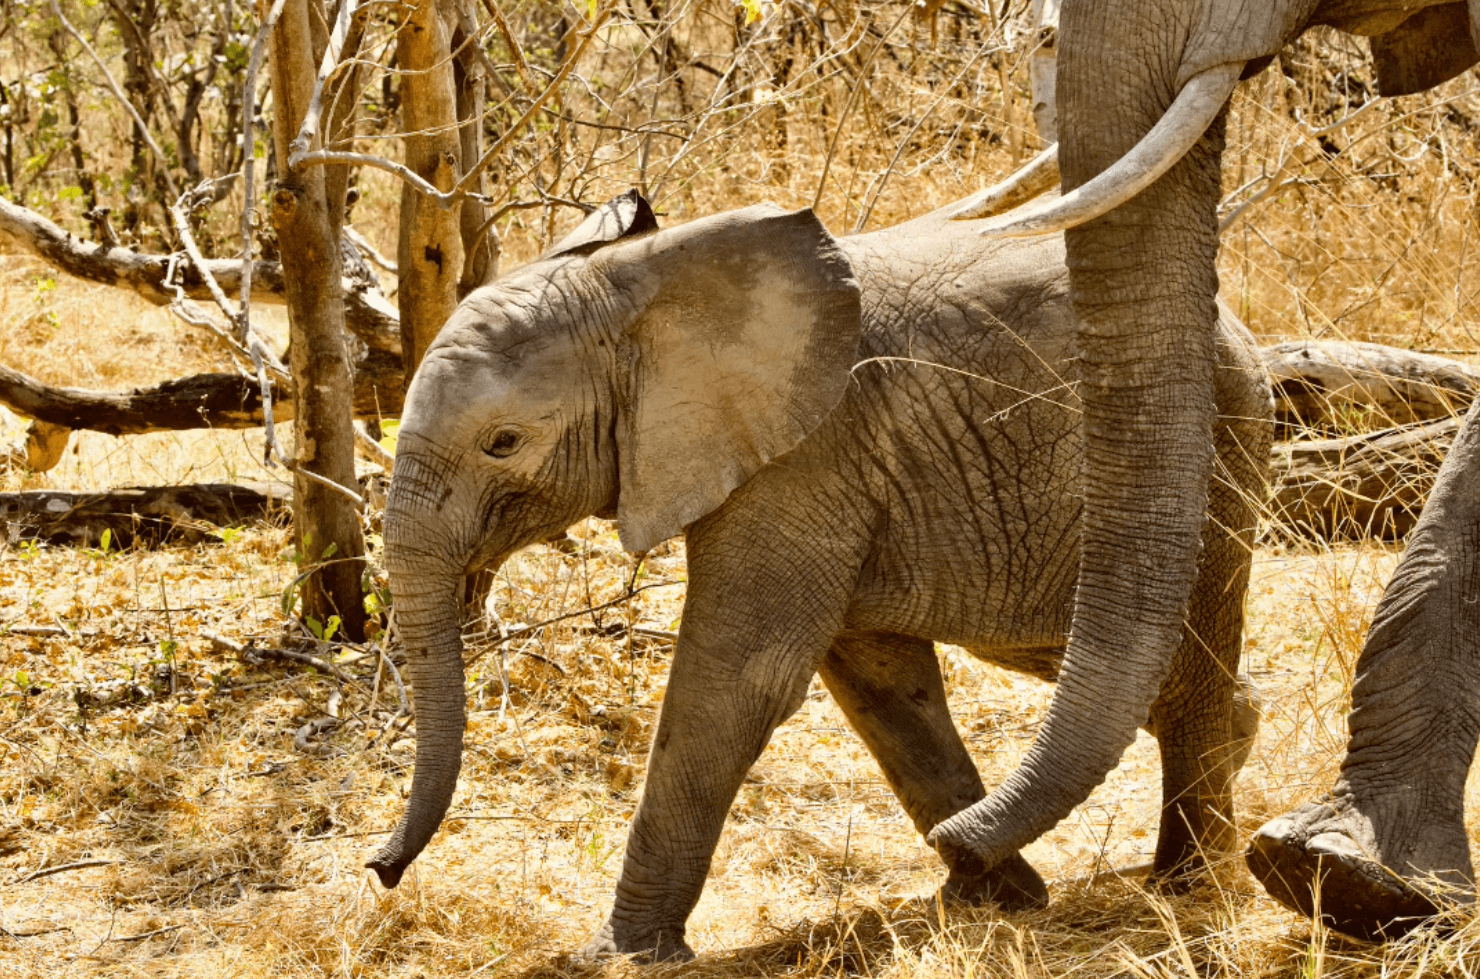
(203, 844)
(222, 850)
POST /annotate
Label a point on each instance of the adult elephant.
(1143, 90)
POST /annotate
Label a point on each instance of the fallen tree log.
(1365, 486)
(148, 516)
(227, 401)
(1340, 388)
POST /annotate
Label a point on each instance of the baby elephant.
(871, 445)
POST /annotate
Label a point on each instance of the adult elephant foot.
(653, 946)
(1012, 885)
(1331, 848)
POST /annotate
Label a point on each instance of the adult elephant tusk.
(1038, 176)
(1178, 130)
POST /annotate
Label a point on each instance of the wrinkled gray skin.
(1144, 284)
(838, 519)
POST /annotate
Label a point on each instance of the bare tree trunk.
(480, 244)
(325, 523)
(136, 19)
(430, 253)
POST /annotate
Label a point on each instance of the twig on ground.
(32, 934)
(249, 652)
(32, 630)
(148, 934)
(526, 630)
(62, 869)
(303, 740)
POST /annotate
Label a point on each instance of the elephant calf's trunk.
(434, 665)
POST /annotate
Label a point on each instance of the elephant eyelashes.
(502, 444)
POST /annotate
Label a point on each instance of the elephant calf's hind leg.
(890, 687)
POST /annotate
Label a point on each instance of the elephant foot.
(1181, 861)
(1319, 848)
(1012, 885)
(655, 945)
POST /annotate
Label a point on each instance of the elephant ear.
(625, 216)
(745, 330)
(1428, 49)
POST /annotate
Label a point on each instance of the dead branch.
(1341, 387)
(367, 314)
(1370, 485)
(64, 868)
(227, 401)
(148, 516)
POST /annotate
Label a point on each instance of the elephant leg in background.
(1205, 715)
(1193, 717)
(890, 688)
(1389, 846)
(756, 622)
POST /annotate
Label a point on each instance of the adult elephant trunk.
(427, 585)
(1144, 287)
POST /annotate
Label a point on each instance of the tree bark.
(429, 256)
(480, 249)
(325, 523)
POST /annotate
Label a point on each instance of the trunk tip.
(388, 868)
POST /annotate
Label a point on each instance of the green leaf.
(105, 539)
(314, 626)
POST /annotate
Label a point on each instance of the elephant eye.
(502, 444)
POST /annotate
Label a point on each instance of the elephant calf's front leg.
(890, 687)
(719, 712)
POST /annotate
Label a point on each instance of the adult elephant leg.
(890, 688)
(1204, 719)
(1388, 847)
